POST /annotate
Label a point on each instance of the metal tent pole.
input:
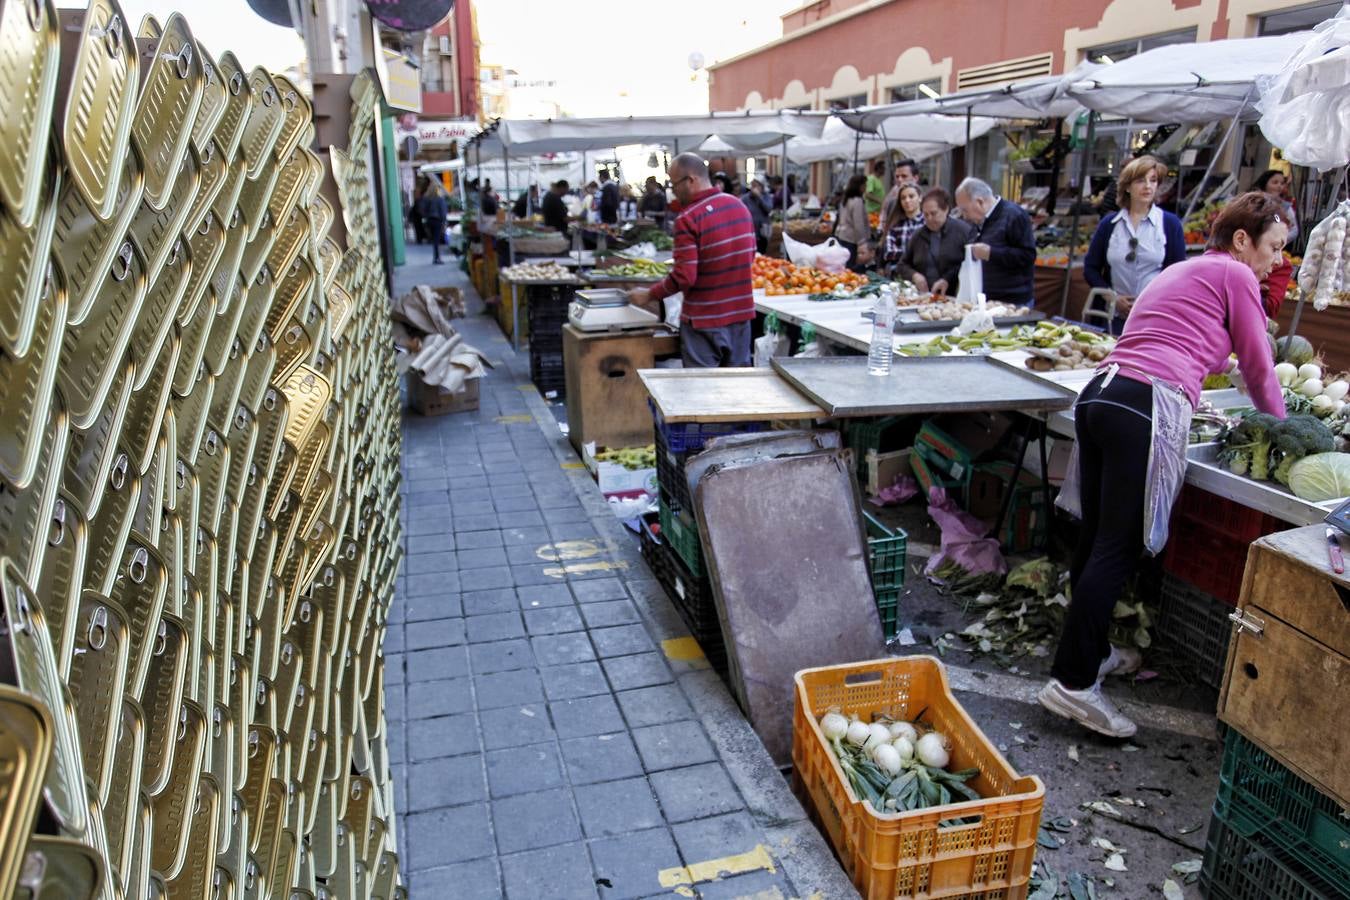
(857, 138)
(966, 150)
(1077, 207)
(785, 184)
(1214, 159)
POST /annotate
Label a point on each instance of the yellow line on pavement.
(514, 420)
(713, 869)
(524, 387)
(562, 550)
(577, 568)
(684, 649)
(573, 465)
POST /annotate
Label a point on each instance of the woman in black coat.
(932, 259)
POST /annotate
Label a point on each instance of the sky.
(608, 58)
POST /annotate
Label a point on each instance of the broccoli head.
(1297, 437)
(1247, 445)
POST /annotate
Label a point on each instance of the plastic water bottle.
(883, 333)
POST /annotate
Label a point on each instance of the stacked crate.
(546, 308)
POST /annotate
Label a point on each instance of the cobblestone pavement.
(553, 731)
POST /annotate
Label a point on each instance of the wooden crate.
(1285, 685)
(606, 401)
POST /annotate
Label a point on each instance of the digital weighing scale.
(607, 309)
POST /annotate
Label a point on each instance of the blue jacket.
(1010, 271)
(1095, 268)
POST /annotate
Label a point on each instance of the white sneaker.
(1121, 661)
(1090, 708)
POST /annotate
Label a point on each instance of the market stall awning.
(524, 169)
(752, 130)
(1187, 82)
(919, 137)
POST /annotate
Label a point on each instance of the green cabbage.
(1322, 476)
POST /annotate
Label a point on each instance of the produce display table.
(725, 395)
(606, 402)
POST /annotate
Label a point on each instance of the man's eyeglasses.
(1134, 250)
(678, 181)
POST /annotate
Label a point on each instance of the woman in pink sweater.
(1184, 326)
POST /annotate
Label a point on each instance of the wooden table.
(606, 400)
(726, 395)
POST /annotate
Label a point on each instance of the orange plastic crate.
(909, 854)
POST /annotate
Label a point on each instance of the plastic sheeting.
(752, 130)
(1188, 82)
(1305, 107)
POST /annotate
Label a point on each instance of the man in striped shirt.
(714, 252)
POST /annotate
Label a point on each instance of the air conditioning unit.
(445, 45)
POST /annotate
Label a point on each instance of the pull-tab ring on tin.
(252, 473)
(97, 634)
(173, 254)
(287, 653)
(205, 227)
(293, 334)
(34, 10)
(270, 399)
(236, 83)
(212, 442)
(209, 152)
(121, 267)
(118, 476)
(264, 274)
(112, 36)
(234, 218)
(182, 724)
(237, 347)
(139, 566)
(250, 875)
(180, 475)
(306, 610)
(290, 100)
(329, 576)
(240, 417)
(58, 532)
(307, 384)
(301, 692)
(161, 639)
(217, 723)
(47, 282)
(269, 95)
(261, 693)
(208, 72)
(183, 59)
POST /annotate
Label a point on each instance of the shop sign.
(441, 133)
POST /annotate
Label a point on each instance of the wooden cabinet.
(1288, 670)
(606, 402)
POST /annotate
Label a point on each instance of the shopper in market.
(758, 204)
(875, 193)
(1276, 184)
(852, 228)
(487, 204)
(526, 203)
(1130, 247)
(1185, 325)
(932, 258)
(435, 212)
(906, 172)
(906, 220)
(553, 207)
(1005, 241)
(653, 202)
(714, 251)
(609, 199)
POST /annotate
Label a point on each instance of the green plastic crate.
(683, 536)
(1241, 868)
(888, 607)
(861, 435)
(1261, 798)
(886, 552)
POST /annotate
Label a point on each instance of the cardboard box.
(926, 476)
(955, 442)
(617, 481)
(431, 400)
(1027, 516)
(882, 469)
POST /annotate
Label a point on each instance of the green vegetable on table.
(1321, 477)
(1262, 447)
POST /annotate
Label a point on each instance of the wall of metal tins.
(199, 446)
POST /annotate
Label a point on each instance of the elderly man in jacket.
(1006, 241)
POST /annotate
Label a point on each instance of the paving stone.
(585, 716)
(507, 688)
(395, 701)
(599, 589)
(475, 523)
(751, 884)
(520, 770)
(393, 638)
(617, 807)
(477, 880)
(552, 620)
(558, 500)
(525, 536)
(441, 736)
(468, 482)
(463, 507)
(582, 679)
(431, 543)
(512, 726)
(566, 515)
(430, 607)
(609, 612)
(601, 757)
(621, 640)
(513, 504)
(512, 489)
(481, 558)
(427, 563)
(497, 600)
(418, 499)
(483, 579)
(436, 633)
(717, 837)
(673, 745)
(654, 705)
(526, 554)
(449, 835)
(637, 671)
(427, 699)
(435, 584)
(695, 792)
(542, 595)
(442, 662)
(632, 863)
(500, 656)
(494, 627)
(451, 781)
(531, 821)
(558, 649)
(538, 574)
(558, 873)
(459, 497)
(474, 540)
(520, 518)
(428, 521)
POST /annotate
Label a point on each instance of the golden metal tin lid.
(26, 741)
(258, 374)
(25, 254)
(261, 752)
(139, 590)
(254, 197)
(59, 868)
(62, 576)
(162, 702)
(100, 104)
(214, 98)
(195, 879)
(190, 417)
(27, 387)
(87, 246)
(213, 466)
(110, 529)
(266, 117)
(239, 100)
(159, 233)
(121, 800)
(292, 180)
(173, 806)
(91, 452)
(299, 116)
(25, 516)
(29, 644)
(97, 677)
(213, 176)
(30, 48)
(207, 243)
(170, 95)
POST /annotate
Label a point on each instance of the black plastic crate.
(692, 597)
(1247, 868)
(670, 476)
(1196, 626)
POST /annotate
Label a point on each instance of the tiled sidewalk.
(551, 736)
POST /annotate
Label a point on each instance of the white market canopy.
(751, 130)
(1187, 82)
(524, 170)
(918, 137)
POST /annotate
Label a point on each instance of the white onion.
(1337, 389)
(932, 750)
(858, 732)
(878, 734)
(905, 747)
(1337, 406)
(834, 725)
(1310, 388)
(1309, 371)
(886, 757)
(1323, 405)
(1287, 373)
(904, 729)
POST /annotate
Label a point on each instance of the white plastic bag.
(831, 256)
(673, 304)
(798, 253)
(1304, 106)
(971, 278)
(768, 346)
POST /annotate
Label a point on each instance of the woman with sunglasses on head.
(1132, 246)
(1131, 424)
